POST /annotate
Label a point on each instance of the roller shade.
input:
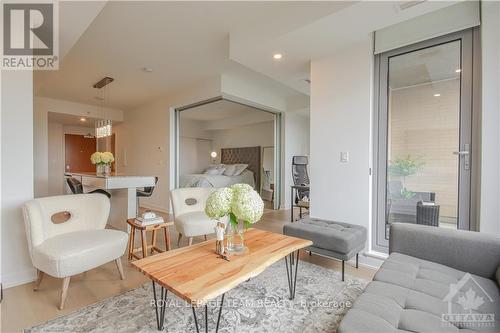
(441, 22)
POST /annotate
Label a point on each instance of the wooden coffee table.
(197, 274)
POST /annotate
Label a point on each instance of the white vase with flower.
(243, 205)
(102, 161)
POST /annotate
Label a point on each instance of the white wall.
(195, 145)
(341, 107)
(490, 135)
(194, 154)
(261, 134)
(42, 106)
(296, 143)
(17, 174)
(55, 159)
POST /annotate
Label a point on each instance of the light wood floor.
(23, 308)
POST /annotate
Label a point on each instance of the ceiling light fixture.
(83, 119)
(147, 69)
(104, 126)
(437, 95)
(458, 70)
(277, 56)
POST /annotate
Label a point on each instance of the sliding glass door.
(423, 127)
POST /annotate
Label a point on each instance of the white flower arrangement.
(240, 202)
(102, 157)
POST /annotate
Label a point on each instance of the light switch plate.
(344, 156)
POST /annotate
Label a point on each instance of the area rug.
(258, 305)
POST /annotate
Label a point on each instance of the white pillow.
(240, 168)
(230, 170)
(215, 169)
(214, 172)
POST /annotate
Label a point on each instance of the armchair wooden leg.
(190, 241)
(118, 262)
(179, 240)
(64, 291)
(39, 277)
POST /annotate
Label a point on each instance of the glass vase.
(236, 238)
(103, 169)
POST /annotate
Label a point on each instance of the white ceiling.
(315, 40)
(225, 109)
(186, 42)
(183, 42)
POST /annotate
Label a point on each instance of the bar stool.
(144, 193)
(76, 187)
(154, 228)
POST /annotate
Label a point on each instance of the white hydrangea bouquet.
(242, 204)
(102, 161)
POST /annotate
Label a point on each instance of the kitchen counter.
(123, 189)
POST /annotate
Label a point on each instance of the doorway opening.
(71, 142)
(220, 142)
(423, 128)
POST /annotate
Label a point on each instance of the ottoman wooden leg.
(343, 270)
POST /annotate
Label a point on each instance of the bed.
(243, 155)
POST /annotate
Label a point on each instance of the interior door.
(424, 135)
(78, 149)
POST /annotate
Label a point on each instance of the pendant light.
(103, 127)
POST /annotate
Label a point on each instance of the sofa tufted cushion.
(76, 252)
(406, 295)
(328, 235)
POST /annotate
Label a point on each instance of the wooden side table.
(136, 226)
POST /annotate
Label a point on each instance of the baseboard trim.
(19, 278)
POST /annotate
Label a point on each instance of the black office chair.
(300, 176)
(145, 192)
(76, 187)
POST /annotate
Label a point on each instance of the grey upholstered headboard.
(246, 155)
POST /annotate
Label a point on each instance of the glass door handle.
(466, 154)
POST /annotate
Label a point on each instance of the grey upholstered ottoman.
(333, 239)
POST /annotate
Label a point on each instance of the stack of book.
(149, 221)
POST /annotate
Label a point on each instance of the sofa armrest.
(468, 251)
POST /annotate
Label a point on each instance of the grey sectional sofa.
(435, 280)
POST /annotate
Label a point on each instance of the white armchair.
(189, 212)
(74, 244)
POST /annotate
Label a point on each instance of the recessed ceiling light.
(437, 95)
(147, 69)
(83, 119)
(277, 56)
(458, 70)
